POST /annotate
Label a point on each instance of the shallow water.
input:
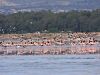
(50, 65)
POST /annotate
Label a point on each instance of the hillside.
(46, 21)
(13, 6)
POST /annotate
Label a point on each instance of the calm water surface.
(50, 65)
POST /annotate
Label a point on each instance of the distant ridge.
(13, 6)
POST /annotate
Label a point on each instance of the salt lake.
(50, 65)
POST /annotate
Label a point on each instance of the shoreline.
(54, 55)
(50, 43)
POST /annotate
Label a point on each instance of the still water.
(50, 65)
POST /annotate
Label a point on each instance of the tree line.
(29, 22)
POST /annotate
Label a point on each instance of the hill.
(13, 6)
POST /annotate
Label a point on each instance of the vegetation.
(28, 22)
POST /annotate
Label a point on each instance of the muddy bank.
(52, 50)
